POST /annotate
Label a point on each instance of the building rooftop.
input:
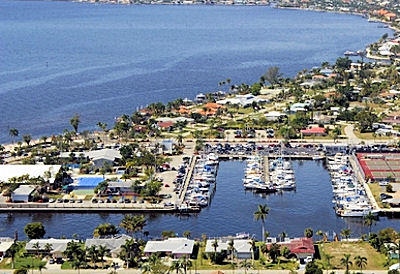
(172, 245)
(24, 190)
(10, 171)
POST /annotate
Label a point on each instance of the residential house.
(23, 194)
(119, 187)
(48, 247)
(392, 118)
(274, 115)
(300, 248)
(167, 146)
(314, 131)
(176, 247)
(5, 244)
(296, 107)
(114, 243)
(242, 247)
(166, 126)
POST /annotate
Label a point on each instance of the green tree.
(13, 132)
(312, 268)
(346, 262)
(273, 75)
(245, 264)
(274, 252)
(34, 230)
(187, 234)
(75, 121)
(27, 138)
(133, 223)
(360, 262)
(104, 230)
(103, 251)
(308, 232)
(346, 232)
(130, 251)
(261, 215)
(369, 220)
(214, 244)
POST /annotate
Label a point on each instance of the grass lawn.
(338, 249)
(21, 262)
(376, 190)
(370, 136)
(66, 265)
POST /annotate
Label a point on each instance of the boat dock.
(187, 179)
(244, 157)
(266, 169)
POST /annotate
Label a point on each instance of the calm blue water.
(61, 58)
(230, 212)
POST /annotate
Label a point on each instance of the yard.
(22, 261)
(375, 260)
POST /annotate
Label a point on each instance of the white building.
(114, 243)
(242, 247)
(274, 115)
(244, 100)
(56, 247)
(177, 247)
(22, 194)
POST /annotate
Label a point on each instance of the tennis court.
(380, 166)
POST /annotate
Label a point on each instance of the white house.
(244, 100)
(274, 115)
(53, 247)
(5, 244)
(177, 247)
(22, 194)
(99, 157)
(242, 247)
(114, 243)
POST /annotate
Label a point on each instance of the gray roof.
(172, 245)
(120, 184)
(56, 244)
(240, 245)
(107, 153)
(24, 190)
(113, 243)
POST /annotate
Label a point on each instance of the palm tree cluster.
(360, 261)
(133, 223)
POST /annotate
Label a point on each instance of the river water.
(60, 58)
(231, 210)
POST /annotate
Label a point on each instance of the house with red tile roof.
(167, 125)
(300, 248)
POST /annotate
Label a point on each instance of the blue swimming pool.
(87, 182)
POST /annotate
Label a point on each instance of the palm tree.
(215, 246)
(13, 132)
(92, 254)
(246, 265)
(346, 232)
(308, 232)
(185, 263)
(48, 248)
(27, 138)
(361, 262)
(187, 234)
(41, 266)
(261, 214)
(36, 246)
(231, 249)
(346, 262)
(369, 220)
(319, 233)
(176, 265)
(101, 252)
(11, 252)
(75, 122)
(328, 260)
(253, 248)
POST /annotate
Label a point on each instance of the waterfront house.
(176, 247)
(99, 157)
(242, 246)
(300, 248)
(113, 243)
(23, 194)
(119, 187)
(48, 247)
(165, 126)
(245, 100)
(5, 244)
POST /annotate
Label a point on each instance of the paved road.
(46, 271)
(352, 138)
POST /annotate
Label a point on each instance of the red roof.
(313, 130)
(299, 245)
(165, 124)
(302, 245)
